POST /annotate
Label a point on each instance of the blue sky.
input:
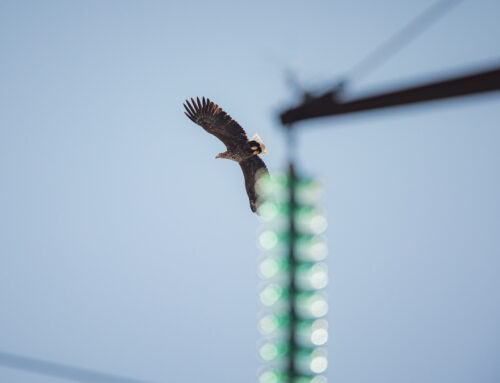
(126, 248)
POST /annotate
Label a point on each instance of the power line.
(383, 52)
(60, 370)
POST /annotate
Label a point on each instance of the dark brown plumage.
(239, 148)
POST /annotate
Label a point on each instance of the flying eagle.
(239, 148)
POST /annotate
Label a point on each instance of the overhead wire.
(400, 39)
(59, 370)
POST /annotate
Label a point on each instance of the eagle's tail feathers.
(257, 138)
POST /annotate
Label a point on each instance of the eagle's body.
(237, 153)
(239, 148)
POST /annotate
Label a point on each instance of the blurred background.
(125, 248)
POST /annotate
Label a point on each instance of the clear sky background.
(126, 248)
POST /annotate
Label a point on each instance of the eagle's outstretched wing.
(215, 121)
(253, 168)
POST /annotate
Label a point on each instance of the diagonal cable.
(395, 43)
(60, 370)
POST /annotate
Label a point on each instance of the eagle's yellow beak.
(256, 152)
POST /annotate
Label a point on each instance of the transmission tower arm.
(330, 104)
